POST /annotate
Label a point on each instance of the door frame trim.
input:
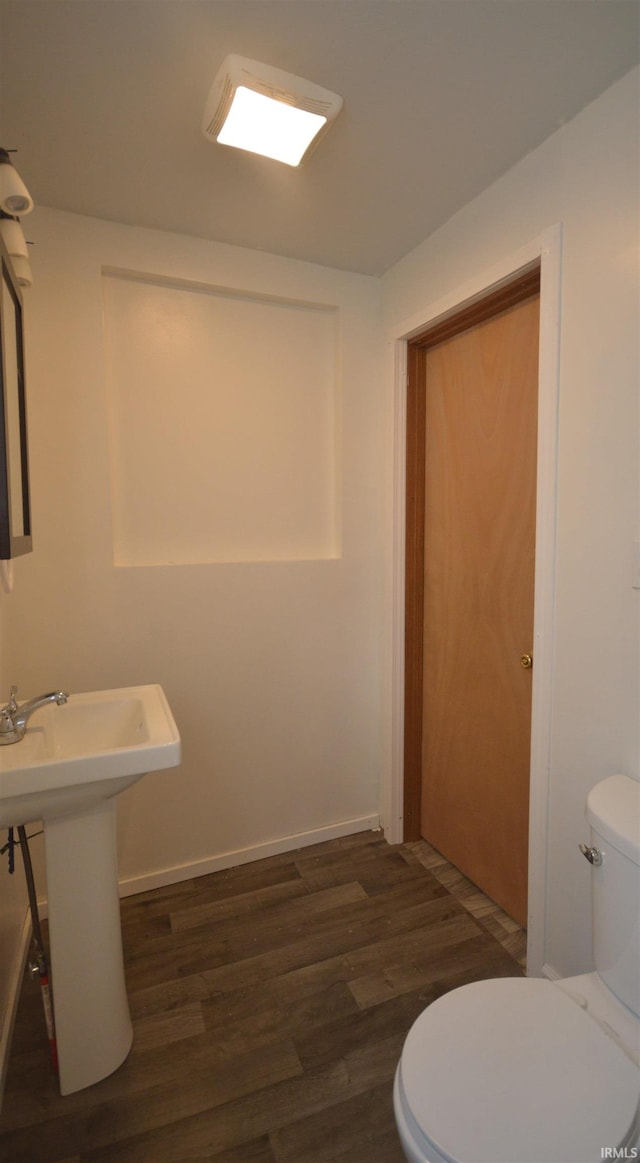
(546, 250)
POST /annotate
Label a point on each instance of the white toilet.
(527, 1070)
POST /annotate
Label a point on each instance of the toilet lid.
(514, 1071)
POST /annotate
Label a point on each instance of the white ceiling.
(104, 100)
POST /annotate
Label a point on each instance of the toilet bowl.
(517, 1070)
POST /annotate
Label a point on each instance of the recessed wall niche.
(222, 412)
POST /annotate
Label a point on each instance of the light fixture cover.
(239, 81)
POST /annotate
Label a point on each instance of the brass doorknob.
(526, 661)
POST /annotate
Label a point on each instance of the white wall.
(223, 426)
(272, 667)
(585, 176)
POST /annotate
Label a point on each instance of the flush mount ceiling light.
(14, 196)
(267, 111)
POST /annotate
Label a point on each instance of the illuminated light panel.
(268, 127)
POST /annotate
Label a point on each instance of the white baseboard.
(166, 876)
(15, 985)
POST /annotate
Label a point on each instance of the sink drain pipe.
(39, 966)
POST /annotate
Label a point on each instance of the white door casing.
(546, 249)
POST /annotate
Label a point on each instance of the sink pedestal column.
(93, 1025)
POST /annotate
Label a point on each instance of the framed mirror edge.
(15, 510)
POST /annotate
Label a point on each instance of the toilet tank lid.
(613, 809)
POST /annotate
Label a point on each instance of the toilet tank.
(613, 812)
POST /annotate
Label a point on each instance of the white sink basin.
(66, 771)
(91, 748)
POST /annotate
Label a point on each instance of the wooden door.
(480, 415)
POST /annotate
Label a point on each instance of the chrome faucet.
(14, 718)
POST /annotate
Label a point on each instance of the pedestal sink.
(66, 771)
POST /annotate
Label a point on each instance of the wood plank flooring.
(270, 1003)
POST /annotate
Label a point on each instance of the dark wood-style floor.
(270, 1003)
